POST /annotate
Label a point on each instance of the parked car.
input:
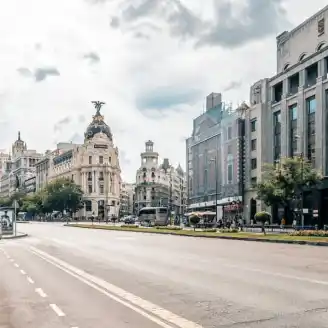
(129, 220)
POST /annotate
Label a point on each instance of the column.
(94, 181)
(319, 126)
(301, 123)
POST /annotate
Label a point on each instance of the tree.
(281, 182)
(194, 220)
(63, 194)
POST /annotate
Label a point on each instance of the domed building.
(94, 165)
(159, 184)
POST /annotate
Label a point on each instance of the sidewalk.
(19, 235)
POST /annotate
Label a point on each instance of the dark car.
(129, 220)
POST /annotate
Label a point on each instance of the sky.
(152, 62)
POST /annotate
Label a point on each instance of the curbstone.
(277, 241)
(23, 235)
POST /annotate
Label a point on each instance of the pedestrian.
(294, 224)
(282, 223)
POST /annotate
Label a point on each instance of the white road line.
(153, 312)
(30, 280)
(57, 310)
(11, 260)
(16, 265)
(40, 292)
(22, 272)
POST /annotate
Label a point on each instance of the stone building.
(20, 166)
(94, 165)
(288, 113)
(159, 184)
(152, 182)
(127, 199)
(215, 162)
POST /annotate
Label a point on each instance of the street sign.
(15, 204)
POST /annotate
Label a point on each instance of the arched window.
(320, 46)
(286, 66)
(302, 57)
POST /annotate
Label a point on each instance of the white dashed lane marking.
(40, 292)
(30, 280)
(23, 272)
(16, 265)
(57, 310)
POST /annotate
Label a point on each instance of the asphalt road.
(69, 277)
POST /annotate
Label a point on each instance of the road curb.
(274, 241)
(14, 237)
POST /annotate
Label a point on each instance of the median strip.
(245, 236)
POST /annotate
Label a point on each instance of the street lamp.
(216, 186)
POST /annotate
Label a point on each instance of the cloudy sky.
(152, 61)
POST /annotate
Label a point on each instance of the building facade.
(20, 167)
(159, 184)
(288, 113)
(94, 165)
(215, 159)
(152, 181)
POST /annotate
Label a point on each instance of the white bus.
(155, 216)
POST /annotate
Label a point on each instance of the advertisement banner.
(7, 221)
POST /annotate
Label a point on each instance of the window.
(293, 129)
(321, 26)
(311, 108)
(101, 176)
(88, 205)
(311, 105)
(254, 181)
(254, 163)
(90, 159)
(229, 150)
(293, 112)
(101, 159)
(109, 159)
(144, 197)
(230, 173)
(253, 144)
(101, 189)
(90, 176)
(277, 92)
(277, 135)
(90, 189)
(253, 125)
(229, 132)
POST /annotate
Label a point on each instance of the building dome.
(97, 125)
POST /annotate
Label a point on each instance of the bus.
(154, 216)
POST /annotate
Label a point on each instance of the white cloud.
(60, 34)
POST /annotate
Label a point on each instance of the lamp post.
(216, 186)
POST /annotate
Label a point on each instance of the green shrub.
(262, 216)
(168, 228)
(231, 230)
(129, 226)
(309, 233)
(210, 230)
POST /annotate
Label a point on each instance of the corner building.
(94, 165)
(288, 113)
